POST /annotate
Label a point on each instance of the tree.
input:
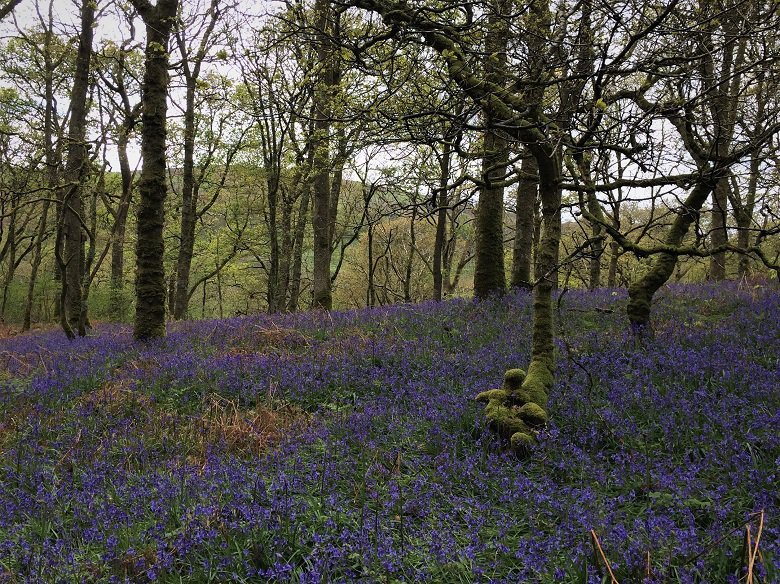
(448, 30)
(71, 220)
(489, 277)
(150, 275)
(716, 71)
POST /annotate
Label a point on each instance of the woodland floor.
(347, 447)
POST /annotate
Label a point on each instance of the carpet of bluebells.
(122, 462)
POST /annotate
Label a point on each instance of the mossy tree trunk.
(150, 272)
(540, 370)
(641, 291)
(489, 278)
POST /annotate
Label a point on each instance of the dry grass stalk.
(602, 555)
(751, 549)
(648, 566)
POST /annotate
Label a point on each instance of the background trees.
(346, 153)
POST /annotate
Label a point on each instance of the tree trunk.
(442, 203)
(188, 208)
(117, 300)
(89, 256)
(744, 216)
(489, 276)
(718, 234)
(597, 250)
(11, 253)
(75, 173)
(410, 256)
(641, 292)
(371, 288)
(272, 186)
(35, 265)
(614, 255)
(150, 272)
(321, 220)
(300, 231)
(522, 250)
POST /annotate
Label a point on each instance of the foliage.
(112, 469)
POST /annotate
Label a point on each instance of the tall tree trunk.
(117, 300)
(323, 95)
(371, 288)
(52, 155)
(489, 276)
(744, 216)
(89, 256)
(10, 246)
(285, 256)
(543, 335)
(410, 256)
(35, 265)
(442, 202)
(522, 250)
(188, 207)
(150, 272)
(75, 172)
(509, 410)
(300, 231)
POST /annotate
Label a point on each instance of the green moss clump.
(519, 397)
(492, 394)
(513, 379)
(522, 444)
(517, 410)
(533, 415)
(503, 420)
(538, 380)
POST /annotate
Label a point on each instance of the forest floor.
(348, 447)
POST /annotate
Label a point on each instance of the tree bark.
(489, 276)
(442, 202)
(72, 221)
(522, 250)
(188, 207)
(117, 300)
(641, 291)
(150, 272)
(191, 67)
(323, 95)
(719, 235)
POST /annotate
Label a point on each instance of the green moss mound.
(516, 411)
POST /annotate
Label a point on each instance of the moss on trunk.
(518, 410)
(150, 275)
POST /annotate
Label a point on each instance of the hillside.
(313, 447)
